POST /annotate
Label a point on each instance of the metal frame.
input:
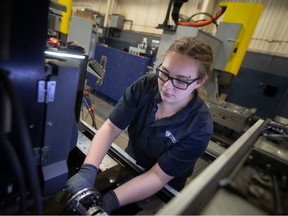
(195, 195)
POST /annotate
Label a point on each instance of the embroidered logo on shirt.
(171, 136)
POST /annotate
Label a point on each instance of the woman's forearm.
(142, 186)
(101, 142)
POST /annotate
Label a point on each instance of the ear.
(202, 81)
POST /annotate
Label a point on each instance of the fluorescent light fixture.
(67, 55)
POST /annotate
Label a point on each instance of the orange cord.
(204, 22)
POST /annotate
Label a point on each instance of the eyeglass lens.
(175, 82)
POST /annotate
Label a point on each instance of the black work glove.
(85, 178)
(110, 202)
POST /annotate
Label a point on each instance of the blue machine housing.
(122, 69)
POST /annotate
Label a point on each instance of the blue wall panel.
(262, 83)
(255, 89)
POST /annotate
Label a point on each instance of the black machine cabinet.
(38, 105)
(22, 44)
(60, 132)
(55, 99)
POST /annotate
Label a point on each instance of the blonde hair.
(198, 50)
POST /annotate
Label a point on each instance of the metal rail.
(197, 193)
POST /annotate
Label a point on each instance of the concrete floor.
(102, 108)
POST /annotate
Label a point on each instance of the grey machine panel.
(227, 33)
(169, 37)
(81, 31)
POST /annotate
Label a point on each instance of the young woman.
(169, 126)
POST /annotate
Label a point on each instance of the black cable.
(7, 148)
(165, 23)
(13, 159)
(89, 107)
(26, 142)
(207, 14)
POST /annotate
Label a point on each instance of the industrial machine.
(43, 141)
(40, 89)
(250, 177)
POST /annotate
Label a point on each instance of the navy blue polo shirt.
(175, 142)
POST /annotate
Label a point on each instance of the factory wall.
(271, 32)
(270, 35)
